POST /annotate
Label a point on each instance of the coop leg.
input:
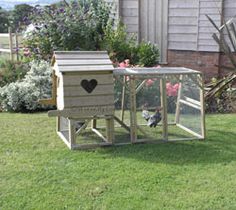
(177, 112)
(133, 120)
(58, 125)
(202, 101)
(72, 135)
(110, 130)
(94, 123)
(123, 100)
(164, 109)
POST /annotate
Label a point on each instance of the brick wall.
(205, 62)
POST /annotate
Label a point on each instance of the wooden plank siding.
(212, 8)
(183, 24)
(129, 11)
(229, 9)
(153, 24)
(189, 29)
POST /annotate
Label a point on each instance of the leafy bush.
(147, 54)
(23, 96)
(121, 46)
(11, 71)
(76, 25)
(118, 44)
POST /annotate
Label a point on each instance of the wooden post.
(58, 124)
(72, 135)
(17, 46)
(164, 109)
(94, 123)
(110, 130)
(133, 119)
(202, 102)
(177, 112)
(10, 44)
(123, 99)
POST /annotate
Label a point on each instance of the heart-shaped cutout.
(89, 86)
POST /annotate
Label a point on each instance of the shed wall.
(189, 29)
(129, 11)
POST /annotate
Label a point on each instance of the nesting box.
(83, 89)
(84, 82)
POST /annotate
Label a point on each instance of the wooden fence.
(9, 43)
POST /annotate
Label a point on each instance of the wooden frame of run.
(162, 74)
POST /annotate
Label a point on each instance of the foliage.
(221, 96)
(3, 21)
(23, 95)
(121, 47)
(19, 14)
(77, 25)
(118, 44)
(217, 91)
(147, 54)
(11, 71)
(39, 172)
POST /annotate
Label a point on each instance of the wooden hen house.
(83, 91)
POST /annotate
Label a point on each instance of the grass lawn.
(37, 171)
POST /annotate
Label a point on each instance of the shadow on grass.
(219, 147)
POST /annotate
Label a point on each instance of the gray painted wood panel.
(72, 80)
(188, 28)
(79, 91)
(129, 11)
(99, 100)
(211, 8)
(229, 9)
(183, 35)
(153, 24)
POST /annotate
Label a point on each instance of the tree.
(19, 15)
(3, 20)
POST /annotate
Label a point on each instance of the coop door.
(149, 108)
(189, 110)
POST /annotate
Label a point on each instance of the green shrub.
(147, 54)
(121, 46)
(118, 44)
(11, 71)
(22, 96)
(77, 25)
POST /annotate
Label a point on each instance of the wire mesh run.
(159, 104)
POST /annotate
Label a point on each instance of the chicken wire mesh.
(183, 106)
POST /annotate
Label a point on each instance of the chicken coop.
(83, 92)
(160, 104)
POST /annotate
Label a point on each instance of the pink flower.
(122, 65)
(176, 86)
(125, 63)
(149, 82)
(26, 52)
(172, 90)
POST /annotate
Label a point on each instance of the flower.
(172, 90)
(26, 52)
(149, 82)
(125, 63)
